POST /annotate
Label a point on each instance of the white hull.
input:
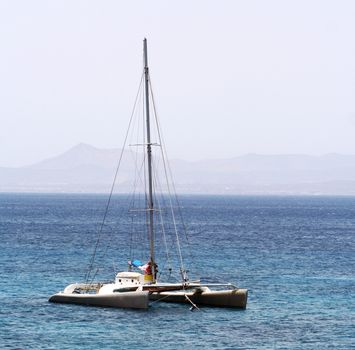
(103, 294)
(133, 300)
(130, 291)
(236, 298)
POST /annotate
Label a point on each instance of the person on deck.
(147, 268)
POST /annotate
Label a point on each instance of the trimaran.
(133, 289)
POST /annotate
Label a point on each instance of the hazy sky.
(230, 77)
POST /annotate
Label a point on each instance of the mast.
(149, 158)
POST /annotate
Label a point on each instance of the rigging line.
(163, 151)
(136, 178)
(105, 252)
(137, 137)
(194, 306)
(108, 245)
(163, 148)
(131, 242)
(174, 225)
(160, 213)
(183, 271)
(160, 299)
(161, 221)
(136, 153)
(138, 172)
(172, 244)
(113, 184)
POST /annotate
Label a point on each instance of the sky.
(229, 77)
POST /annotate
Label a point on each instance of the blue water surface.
(296, 256)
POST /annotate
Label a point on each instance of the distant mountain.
(81, 155)
(85, 168)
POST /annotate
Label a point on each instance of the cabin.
(129, 278)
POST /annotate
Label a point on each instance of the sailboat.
(140, 286)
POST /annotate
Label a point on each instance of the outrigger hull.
(236, 298)
(132, 300)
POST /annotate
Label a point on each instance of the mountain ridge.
(85, 168)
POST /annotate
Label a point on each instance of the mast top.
(145, 50)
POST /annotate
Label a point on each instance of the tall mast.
(149, 157)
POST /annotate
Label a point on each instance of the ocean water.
(296, 256)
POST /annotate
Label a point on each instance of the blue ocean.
(295, 255)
